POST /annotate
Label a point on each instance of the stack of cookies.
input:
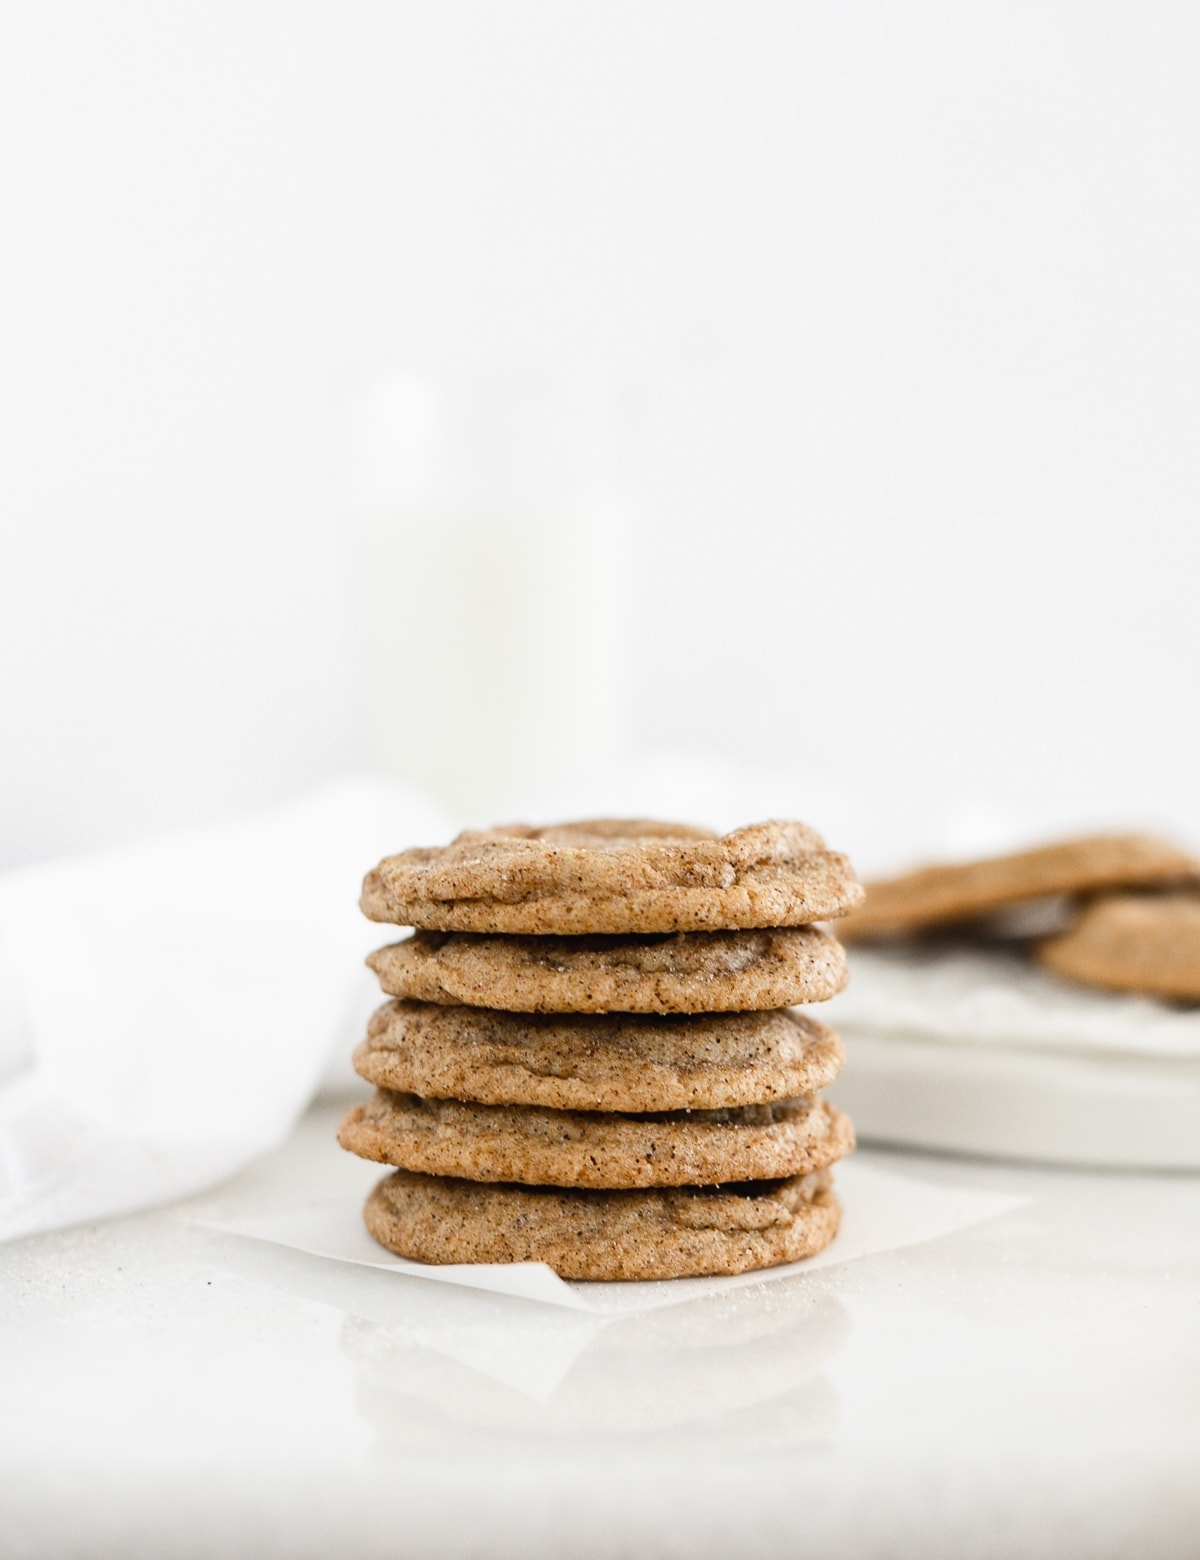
(589, 1059)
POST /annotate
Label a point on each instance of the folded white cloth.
(168, 1009)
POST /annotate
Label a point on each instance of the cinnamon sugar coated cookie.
(583, 1062)
(681, 972)
(1138, 943)
(541, 1147)
(673, 1233)
(611, 875)
(942, 895)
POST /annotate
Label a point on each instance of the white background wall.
(907, 295)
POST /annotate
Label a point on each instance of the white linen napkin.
(168, 1009)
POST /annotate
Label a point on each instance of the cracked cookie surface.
(675, 1233)
(541, 1147)
(614, 875)
(581, 1062)
(682, 972)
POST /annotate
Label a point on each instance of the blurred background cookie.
(1132, 942)
(952, 893)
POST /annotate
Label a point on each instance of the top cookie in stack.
(590, 1061)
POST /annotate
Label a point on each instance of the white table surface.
(1029, 1386)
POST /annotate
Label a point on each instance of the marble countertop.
(1028, 1386)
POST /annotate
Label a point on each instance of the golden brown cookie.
(1132, 942)
(540, 1147)
(613, 875)
(582, 1062)
(680, 972)
(963, 891)
(674, 1233)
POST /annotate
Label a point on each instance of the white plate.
(1022, 1103)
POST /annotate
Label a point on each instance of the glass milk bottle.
(495, 530)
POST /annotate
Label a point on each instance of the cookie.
(540, 1147)
(674, 1233)
(942, 895)
(681, 972)
(626, 1063)
(1130, 942)
(612, 875)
